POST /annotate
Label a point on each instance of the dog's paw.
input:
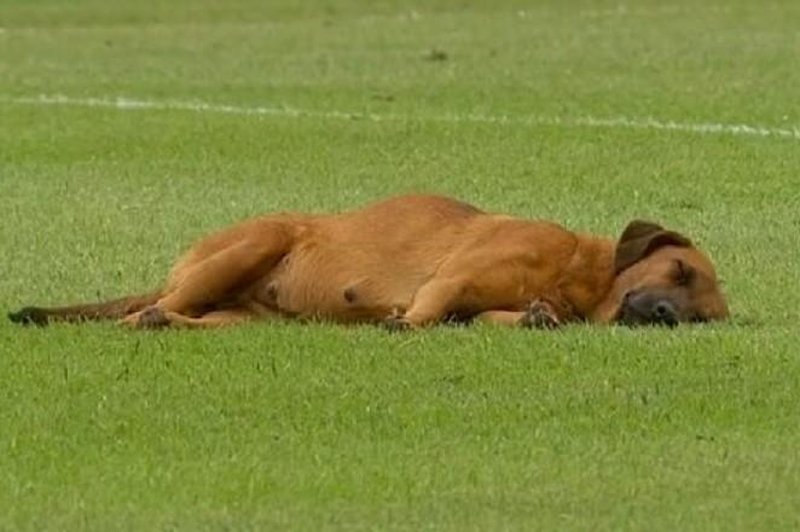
(152, 318)
(149, 318)
(396, 323)
(540, 315)
(29, 316)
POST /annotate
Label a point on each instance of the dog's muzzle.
(642, 308)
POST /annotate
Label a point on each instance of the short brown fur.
(416, 260)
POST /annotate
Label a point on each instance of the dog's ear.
(641, 238)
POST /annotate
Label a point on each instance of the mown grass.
(325, 427)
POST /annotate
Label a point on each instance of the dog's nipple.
(350, 294)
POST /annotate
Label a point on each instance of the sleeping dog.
(413, 261)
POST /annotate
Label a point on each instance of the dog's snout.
(638, 307)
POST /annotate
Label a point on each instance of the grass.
(324, 427)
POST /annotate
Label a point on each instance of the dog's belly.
(364, 265)
(325, 281)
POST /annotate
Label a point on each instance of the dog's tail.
(106, 310)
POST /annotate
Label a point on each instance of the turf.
(280, 426)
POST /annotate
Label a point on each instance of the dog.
(412, 261)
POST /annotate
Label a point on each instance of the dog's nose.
(664, 312)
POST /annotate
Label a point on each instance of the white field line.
(406, 16)
(291, 112)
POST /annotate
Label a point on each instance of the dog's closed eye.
(684, 274)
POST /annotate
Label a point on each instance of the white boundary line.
(412, 15)
(291, 112)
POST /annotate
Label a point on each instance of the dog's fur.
(413, 261)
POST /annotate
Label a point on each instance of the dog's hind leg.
(156, 318)
(218, 277)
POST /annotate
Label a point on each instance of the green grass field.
(589, 113)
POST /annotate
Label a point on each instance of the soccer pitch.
(128, 129)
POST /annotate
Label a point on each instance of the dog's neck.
(588, 284)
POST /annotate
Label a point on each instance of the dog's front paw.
(540, 315)
(29, 316)
(397, 322)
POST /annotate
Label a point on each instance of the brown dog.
(414, 261)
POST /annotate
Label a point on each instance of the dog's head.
(661, 278)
